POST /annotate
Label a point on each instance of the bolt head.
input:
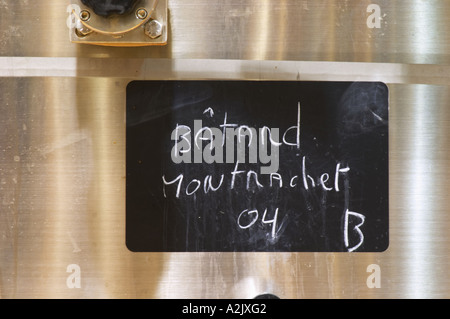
(81, 30)
(153, 29)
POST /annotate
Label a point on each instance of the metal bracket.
(145, 26)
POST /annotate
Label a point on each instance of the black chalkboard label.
(249, 166)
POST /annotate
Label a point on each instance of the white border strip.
(35, 66)
(167, 69)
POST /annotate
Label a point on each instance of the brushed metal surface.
(62, 147)
(410, 31)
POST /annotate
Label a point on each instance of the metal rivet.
(141, 13)
(153, 29)
(85, 15)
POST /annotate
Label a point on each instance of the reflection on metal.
(62, 146)
(143, 27)
(410, 31)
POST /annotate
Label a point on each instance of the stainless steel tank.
(63, 146)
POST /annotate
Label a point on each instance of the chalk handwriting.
(221, 141)
(228, 181)
(253, 216)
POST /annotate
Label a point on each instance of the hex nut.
(153, 29)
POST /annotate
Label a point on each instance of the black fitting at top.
(106, 8)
